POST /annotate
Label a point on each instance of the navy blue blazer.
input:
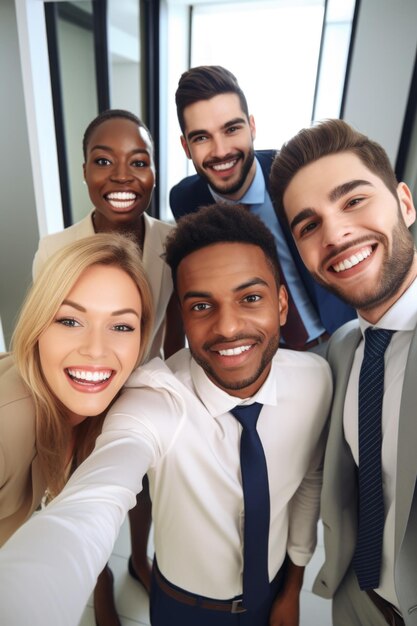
(192, 192)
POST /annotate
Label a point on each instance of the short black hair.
(110, 114)
(203, 83)
(221, 222)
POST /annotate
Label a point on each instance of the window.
(289, 57)
(273, 50)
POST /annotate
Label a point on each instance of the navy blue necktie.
(368, 554)
(256, 505)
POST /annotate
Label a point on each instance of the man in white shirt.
(174, 423)
(350, 218)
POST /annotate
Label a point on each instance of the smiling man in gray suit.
(350, 218)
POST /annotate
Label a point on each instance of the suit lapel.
(339, 493)
(203, 197)
(155, 266)
(340, 357)
(406, 449)
(341, 352)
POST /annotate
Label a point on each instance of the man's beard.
(235, 187)
(394, 271)
(266, 359)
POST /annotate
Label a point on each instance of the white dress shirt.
(174, 423)
(401, 317)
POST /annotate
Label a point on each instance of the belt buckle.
(237, 606)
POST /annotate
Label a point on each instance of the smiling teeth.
(121, 195)
(353, 260)
(94, 377)
(219, 167)
(121, 199)
(234, 351)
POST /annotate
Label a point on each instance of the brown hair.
(328, 137)
(203, 83)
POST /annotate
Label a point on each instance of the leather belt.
(230, 606)
(390, 613)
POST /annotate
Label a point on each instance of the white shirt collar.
(254, 195)
(218, 402)
(402, 315)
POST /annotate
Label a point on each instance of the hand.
(285, 610)
(286, 607)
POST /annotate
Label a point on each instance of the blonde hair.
(58, 277)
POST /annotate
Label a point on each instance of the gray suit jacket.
(339, 494)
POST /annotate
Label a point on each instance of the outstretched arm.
(49, 567)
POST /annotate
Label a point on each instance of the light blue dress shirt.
(260, 203)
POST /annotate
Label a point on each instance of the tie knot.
(376, 341)
(247, 414)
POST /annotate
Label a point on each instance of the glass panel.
(124, 55)
(273, 47)
(79, 95)
(336, 41)
(273, 52)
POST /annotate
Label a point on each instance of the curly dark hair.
(220, 222)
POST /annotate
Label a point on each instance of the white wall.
(18, 221)
(382, 66)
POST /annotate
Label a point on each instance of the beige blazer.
(21, 482)
(339, 494)
(158, 272)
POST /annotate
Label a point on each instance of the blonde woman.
(119, 172)
(84, 326)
